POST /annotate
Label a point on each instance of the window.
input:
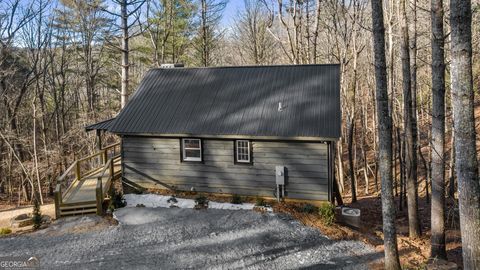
(192, 149)
(242, 151)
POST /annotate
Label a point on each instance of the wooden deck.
(84, 186)
(84, 189)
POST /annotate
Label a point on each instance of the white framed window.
(192, 149)
(242, 151)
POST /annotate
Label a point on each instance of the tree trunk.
(451, 175)
(438, 133)
(463, 114)
(205, 49)
(385, 138)
(375, 137)
(414, 112)
(340, 166)
(428, 168)
(400, 149)
(395, 146)
(125, 52)
(316, 31)
(364, 150)
(411, 149)
(391, 62)
(35, 154)
(351, 162)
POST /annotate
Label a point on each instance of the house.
(238, 130)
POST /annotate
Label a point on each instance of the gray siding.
(155, 163)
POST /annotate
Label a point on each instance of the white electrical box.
(280, 175)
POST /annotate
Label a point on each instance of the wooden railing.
(82, 167)
(100, 190)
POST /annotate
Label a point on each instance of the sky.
(231, 11)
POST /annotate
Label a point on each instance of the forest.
(410, 80)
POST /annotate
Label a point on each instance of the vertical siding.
(155, 163)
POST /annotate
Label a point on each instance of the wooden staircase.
(78, 208)
(84, 187)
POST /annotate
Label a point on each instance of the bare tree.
(16, 78)
(255, 45)
(466, 163)
(384, 127)
(13, 17)
(36, 36)
(410, 138)
(128, 9)
(208, 36)
(438, 133)
(89, 29)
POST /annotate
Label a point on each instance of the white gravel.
(176, 238)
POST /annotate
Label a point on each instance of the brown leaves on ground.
(414, 253)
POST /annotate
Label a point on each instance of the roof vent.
(280, 106)
(176, 65)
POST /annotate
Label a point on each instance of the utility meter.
(280, 175)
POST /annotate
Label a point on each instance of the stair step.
(77, 206)
(86, 211)
(75, 211)
(78, 203)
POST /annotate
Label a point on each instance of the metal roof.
(238, 101)
(103, 125)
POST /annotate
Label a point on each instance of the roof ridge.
(247, 66)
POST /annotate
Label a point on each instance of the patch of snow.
(231, 206)
(155, 200)
(131, 216)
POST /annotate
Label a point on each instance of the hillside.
(414, 253)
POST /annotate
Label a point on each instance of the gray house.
(238, 130)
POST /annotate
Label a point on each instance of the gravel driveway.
(162, 238)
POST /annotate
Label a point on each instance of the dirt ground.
(8, 213)
(414, 253)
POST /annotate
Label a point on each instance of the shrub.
(116, 200)
(236, 199)
(308, 208)
(172, 199)
(260, 202)
(201, 201)
(5, 231)
(327, 213)
(37, 214)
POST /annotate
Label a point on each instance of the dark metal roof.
(236, 101)
(103, 125)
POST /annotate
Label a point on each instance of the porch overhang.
(100, 126)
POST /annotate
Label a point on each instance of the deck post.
(111, 168)
(99, 196)
(104, 156)
(58, 200)
(77, 170)
(99, 139)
